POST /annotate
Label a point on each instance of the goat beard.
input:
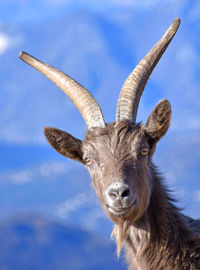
(119, 234)
(123, 223)
(120, 230)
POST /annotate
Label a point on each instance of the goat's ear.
(159, 120)
(64, 143)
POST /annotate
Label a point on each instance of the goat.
(118, 156)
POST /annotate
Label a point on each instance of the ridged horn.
(134, 85)
(82, 99)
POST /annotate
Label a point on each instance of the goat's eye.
(144, 152)
(88, 161)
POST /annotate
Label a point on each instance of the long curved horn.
(135, 83)
(80, 96)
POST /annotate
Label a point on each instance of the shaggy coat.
(156, 235)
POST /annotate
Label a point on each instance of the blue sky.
(98, 43)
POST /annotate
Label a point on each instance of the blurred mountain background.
(32, 242)
(49, 214)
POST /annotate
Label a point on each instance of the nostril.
(113, 194)
(125, 193)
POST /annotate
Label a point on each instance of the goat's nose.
(118, 191)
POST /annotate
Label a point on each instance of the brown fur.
(118, 163)
(155, 234)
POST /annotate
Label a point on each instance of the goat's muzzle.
(119, 199)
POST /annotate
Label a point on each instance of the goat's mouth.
(121, 211)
